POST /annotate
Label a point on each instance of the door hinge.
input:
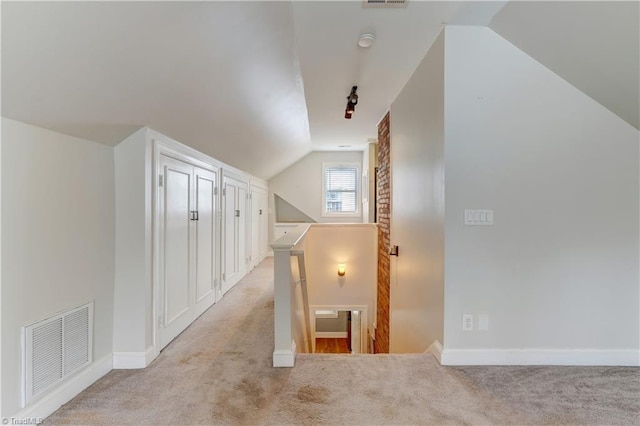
(224, 192)
(237, 213)
(195, 215)
(215, 190)
(160, 180)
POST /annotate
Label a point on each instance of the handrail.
(305, 296)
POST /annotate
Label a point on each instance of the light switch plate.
(478, 217)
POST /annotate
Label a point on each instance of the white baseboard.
(285, 358)
(133, 360)
(435, 349)
(331, 335)
(62, 394)
(586, 357)
(150, 355)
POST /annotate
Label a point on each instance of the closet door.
(205, 236)
(242, 221)
(258, 225)
(255, 227)
(176, 284)
(230, 195)
(264, 226)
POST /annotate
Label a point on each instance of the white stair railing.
(304, 295)
(291, 305)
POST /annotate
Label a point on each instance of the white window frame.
(326, 166)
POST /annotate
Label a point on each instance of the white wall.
(417, 218)
(133, 333)
(355, 245)
(301, 186)
(58, 238)
(369, 162)
(594, 45)
(133, 336)
(559, 269)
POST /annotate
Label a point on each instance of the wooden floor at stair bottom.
(331, 346)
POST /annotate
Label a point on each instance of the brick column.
(384, 222)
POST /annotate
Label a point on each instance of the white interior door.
(264, 226)
(255, 227)
(241, 224)
(177, 295)
(259, 232)
(356, 338)
(205, 235)
(230, 239)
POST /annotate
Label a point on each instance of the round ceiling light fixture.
(366, 40)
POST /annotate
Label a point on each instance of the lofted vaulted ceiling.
(594, 45)
(255, 84)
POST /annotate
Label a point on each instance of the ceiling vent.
(385, 3)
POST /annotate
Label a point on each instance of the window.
(340, 189)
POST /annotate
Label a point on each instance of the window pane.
(341, 178)
(340, 189)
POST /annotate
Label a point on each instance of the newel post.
(284, 353)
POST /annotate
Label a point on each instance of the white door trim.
(363, 322)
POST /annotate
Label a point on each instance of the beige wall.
(355, 246)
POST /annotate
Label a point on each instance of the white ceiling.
(255, 84)
(218, 76)
(593, 45)
(332, 62)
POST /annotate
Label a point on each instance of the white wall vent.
(385, 3)
(55, 348)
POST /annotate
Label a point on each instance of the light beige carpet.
(219, 372)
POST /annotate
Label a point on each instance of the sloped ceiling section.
(595, 46)
(221, 77)
(287, 212)
(332, 62)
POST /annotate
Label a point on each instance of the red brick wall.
(384, 223)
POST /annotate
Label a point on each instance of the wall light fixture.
(342, 269)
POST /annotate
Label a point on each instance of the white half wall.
(417, 207)
(559, 267)
(58, 227)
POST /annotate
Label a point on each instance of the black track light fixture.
(352, 101)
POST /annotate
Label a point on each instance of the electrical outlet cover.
(467, 322)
